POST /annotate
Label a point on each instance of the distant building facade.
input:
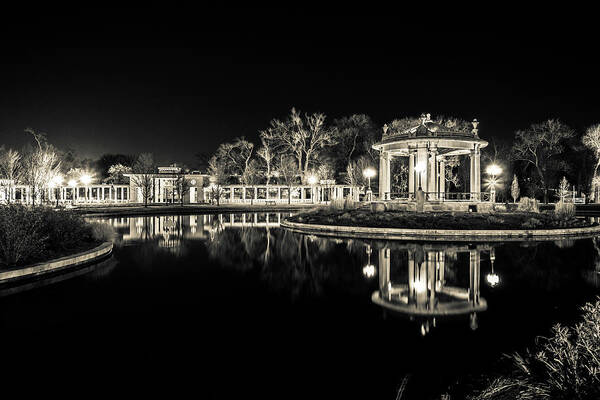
(164, 186)
(163, 189)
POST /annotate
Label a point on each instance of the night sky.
(178, 82)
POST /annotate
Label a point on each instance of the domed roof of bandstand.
(449, 137)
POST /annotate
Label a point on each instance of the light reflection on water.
(428, 309)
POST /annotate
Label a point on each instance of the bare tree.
(218, 177)
(539, 144)
(267, 154)
(10, 168)
(288, 173)
(355, 136)
(302, 137)
(116, 172)
(251, 176)
(235, 157)
(182, 185)
(563, 189)
(591, 140)
(355, 169)
(41, 164)
(143, 176)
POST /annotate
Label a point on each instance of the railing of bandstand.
(438, 196)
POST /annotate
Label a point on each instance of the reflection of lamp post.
(311, 181)
(492, 278)
(369, 173)
(493, 170)
(369, 269)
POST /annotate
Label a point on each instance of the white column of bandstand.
(384, 175)
(442, 177)
(475, 173)
(433, 172)
(422, 159)
(411, 173)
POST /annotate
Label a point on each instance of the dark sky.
(176, 82)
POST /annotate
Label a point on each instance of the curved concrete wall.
(441, 234)
(57, 264)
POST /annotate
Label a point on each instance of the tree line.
(304, 146)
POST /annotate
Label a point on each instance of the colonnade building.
(162, 187)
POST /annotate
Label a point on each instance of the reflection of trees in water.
(592, 276)
(548, 266)
(287, 261)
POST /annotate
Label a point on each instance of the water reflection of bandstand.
(425, 294)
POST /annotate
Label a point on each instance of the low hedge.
(35, 234)
(438, 220)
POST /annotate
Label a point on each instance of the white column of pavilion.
(475, 173)
(384, 175)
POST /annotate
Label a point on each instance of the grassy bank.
(30, 235)
(438, 220)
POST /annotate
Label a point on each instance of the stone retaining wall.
(450, 235)
(57, 264)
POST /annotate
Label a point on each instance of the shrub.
(33, 234)
(528, 205)
(102, 232)
(565, 365)
(337, 204)
(350, 204)
(532, 223)
(564, 211)
(20, 234)
(492, 220)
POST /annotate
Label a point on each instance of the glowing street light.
(493, 171)
(85, 179)
(369, 173)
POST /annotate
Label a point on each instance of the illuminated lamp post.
(493, 171)
(369, 173)
(311, 181)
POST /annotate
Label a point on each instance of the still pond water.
(233, 306)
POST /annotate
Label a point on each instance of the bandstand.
(428, 145)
